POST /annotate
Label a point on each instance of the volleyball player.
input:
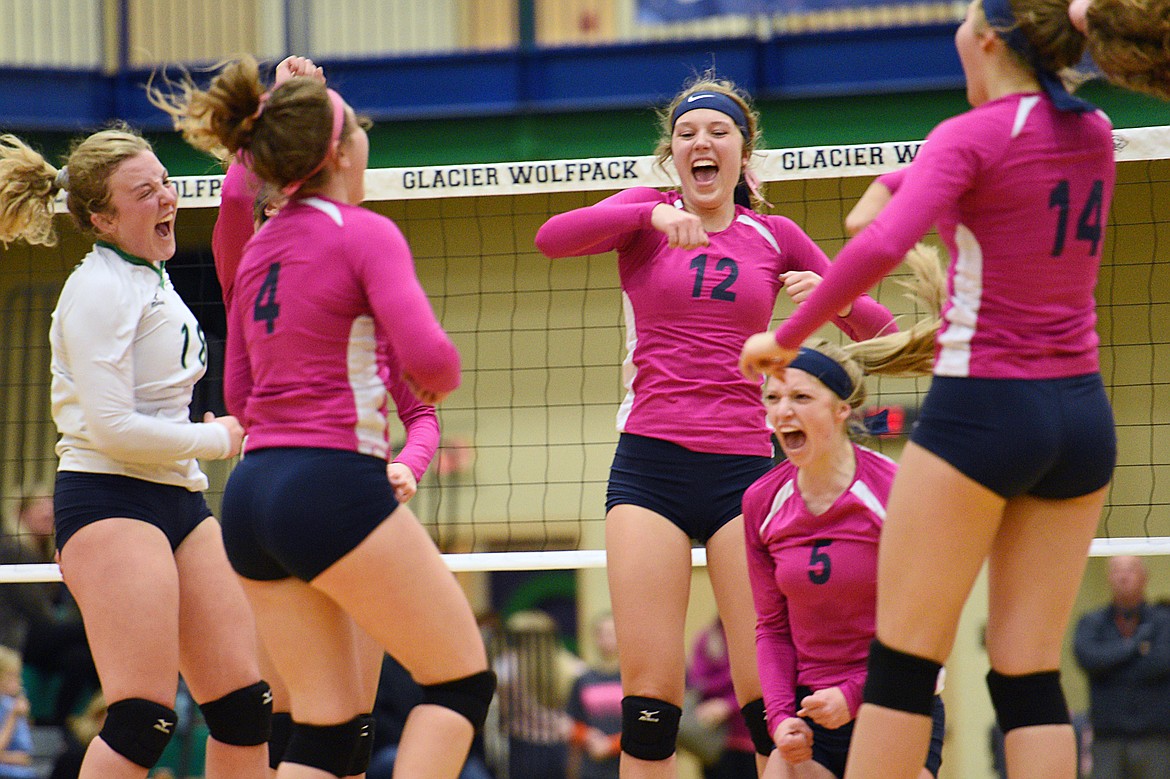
(812, 526)
(136, 542)
(1015, 440)
(311, 522)
(698, 272)
(245, 204)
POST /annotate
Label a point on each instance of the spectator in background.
(709, 672)
(595, 707)
(1125, 650)
(40, 618)
(15, 733)
(535, 675)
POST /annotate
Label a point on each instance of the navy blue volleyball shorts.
(1049, 438)
(697, 491)
(295, 511)
(831, 747)
(80, 499)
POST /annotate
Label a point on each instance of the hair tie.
(260, 107)
(61, 180)
(824, 368)
(1002, 19)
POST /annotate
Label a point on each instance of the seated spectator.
(41, 618)
(535, 674)
(15, 732)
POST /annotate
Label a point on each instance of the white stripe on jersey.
(954, 357)
(782, 495)
(1025, 107)
(369, 393)
(329, 209)
(761, 229)
(629, 370)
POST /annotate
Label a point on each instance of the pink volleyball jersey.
(324, 292)
(234, 225)
(1020, 193)
(814, 582)
(688, 312)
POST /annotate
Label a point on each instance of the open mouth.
(792, 439)
(165, 228)
(705, 172)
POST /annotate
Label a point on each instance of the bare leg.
(643, 547)
(310, 642)
(918, 606)
(727, 565)
(123, 576)
(422, 617)
(1026, 623)
(217, 642)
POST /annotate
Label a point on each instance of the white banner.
(615, 173)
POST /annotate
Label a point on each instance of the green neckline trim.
(134, 260)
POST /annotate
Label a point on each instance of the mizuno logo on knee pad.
(163, 725)
(648, 716)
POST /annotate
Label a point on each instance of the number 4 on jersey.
(266, 309)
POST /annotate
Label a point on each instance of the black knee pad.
(469, 696)
(242, 718)
(138, 729)
(278, 740)
(329, 748)
(365, 745)
(649, 727)
(1024, 701)
(900, 681)
(757, 724)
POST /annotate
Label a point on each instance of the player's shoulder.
(642, 195)
(105, 275)
(875, 459)
(765, 488)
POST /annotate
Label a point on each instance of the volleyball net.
(519, 480)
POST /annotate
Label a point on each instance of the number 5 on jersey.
(266, 309)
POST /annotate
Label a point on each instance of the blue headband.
(716, 101)
(1003, 20)
(825, 369)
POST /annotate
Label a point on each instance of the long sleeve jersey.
(814, 582)
(1020, 193)
(234, 226)
(126, 353)
(688, 312)
(326, 307)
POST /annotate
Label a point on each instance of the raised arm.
(429, 361)
(598, 228)
(234, 225)
(860, 318)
